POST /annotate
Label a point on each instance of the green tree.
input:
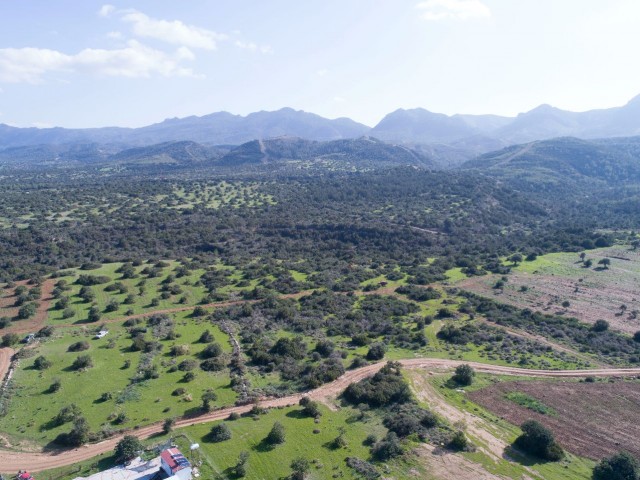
(300, 467)
(167, 426)
(376, 351)
(240, 468)
(621, 466)
(208, 397)
(605, 262)
(463, 375)
(220, 433)
(459, 441)
(10, 339)
(600, 326)
(516, 258)
(276, 435)
(537, 440)
(94, 314)
(42, 363)
(27, 310)
(310, 408)
(128, 448)
(79, 434)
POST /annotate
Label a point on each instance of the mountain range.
(416, 136)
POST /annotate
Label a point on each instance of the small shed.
(175, 464)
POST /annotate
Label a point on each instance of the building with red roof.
(174, 463)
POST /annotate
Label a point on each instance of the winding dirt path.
(5, 362)
(13, 461)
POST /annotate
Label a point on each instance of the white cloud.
(106, 10)
(253, 47)
(322, 72)
(174, 31)
(453, 9)
(115, 35)
(339, 99)
(135, 60)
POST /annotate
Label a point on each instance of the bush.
(55, 386)
(187, 365)
(207, 397)
(310, 408)
(276, 435)
(206, 337)
(240, 468)
(27, 310)
(463, 375)
(78, 347)
(376, 351)
(600, 326)
(387, 448)
(10, 339)
(220, 433)
(386, 387)
(537, 440)
(94, 314)
(212, 364)
(300, 467)
(459, 441)
(618, 467)
(79, 434)
(41, 363)
(211, 351)
(82, 362)
(402, 424)
(68, 413)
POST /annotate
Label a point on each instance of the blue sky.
(86, 63)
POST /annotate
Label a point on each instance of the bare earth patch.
(443, 464)
(593, 293)
(592, 420)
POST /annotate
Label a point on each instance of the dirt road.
(5, 361)
(13, 461)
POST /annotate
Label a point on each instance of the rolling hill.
(564, 161)
(360, 151)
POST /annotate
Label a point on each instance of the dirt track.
(5, 361)
(13, 461)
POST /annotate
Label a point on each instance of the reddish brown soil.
(599, 296)
(592, 420)
(34, 323)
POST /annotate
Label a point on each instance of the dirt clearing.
(593, 293)
(592, 420)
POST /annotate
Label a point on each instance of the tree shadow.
(512, 454)
(298, 414)
(264, 446)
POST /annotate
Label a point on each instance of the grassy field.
(32, 406)
(145, 292)
(303, 438)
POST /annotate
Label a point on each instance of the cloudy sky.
(86, 63)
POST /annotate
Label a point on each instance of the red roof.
(174, 459)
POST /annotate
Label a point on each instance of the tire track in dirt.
(13, 461)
